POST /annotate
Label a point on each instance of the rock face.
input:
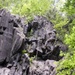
(6, 35)
(42, 67)
(20, 66)
(42, 39)
(11, 36)
(11, 45)
(37, 38)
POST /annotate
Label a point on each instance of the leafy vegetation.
(70, 39)
(61, 14)
(31, 7)
(67, 65)
(27, 8)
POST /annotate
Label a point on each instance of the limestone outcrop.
(19, 42)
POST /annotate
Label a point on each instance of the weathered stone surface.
(19, 66)
(4, 71)
(42, 39)
(37, 38)
(42, 67)
(11, 36)
(6, 35)
(11, 46)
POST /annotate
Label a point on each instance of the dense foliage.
(27, 8)
(67, 65)
(61, 15)
(70, 39)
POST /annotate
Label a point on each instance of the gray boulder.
(37, 38)
(42, 67)
(41, 39)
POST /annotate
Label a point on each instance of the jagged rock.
(11, 36)
(6, 30)
(42, 39)
(42, 67)
(63, 46)
(18, 67)
(37, 38)
(4, 71)
(11, 45)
